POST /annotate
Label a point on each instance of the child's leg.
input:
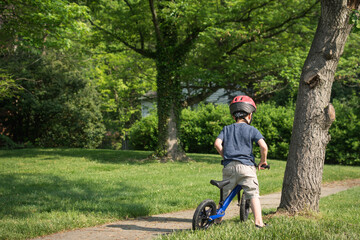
(256, 209)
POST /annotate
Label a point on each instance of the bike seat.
(220, 184)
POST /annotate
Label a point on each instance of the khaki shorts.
(240, 174)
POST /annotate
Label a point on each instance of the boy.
(234, 144)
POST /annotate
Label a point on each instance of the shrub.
(143, 134)
(201, 126)
(7, 143)
(344, 147)
(78, 124)
(59, 108)
(275, 124)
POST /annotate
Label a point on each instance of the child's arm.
(263, 151)
(219, 147)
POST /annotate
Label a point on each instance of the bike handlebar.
(266, 166)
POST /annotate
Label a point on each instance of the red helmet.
(242, 103)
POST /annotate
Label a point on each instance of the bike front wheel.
(202, 213)
(244, 208)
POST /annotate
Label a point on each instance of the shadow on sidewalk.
(141, 228)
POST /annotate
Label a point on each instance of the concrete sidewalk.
(151, 227)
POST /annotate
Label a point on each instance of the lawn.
(338, 219)
(43, 191)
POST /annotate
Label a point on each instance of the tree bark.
(314, 114)
(169, 94)
(169, 59)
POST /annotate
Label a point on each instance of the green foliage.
(344, 147)
(199, 129)
(201, 126)
(207, 45)
(275, 124)
(144, 133)
(354, 19)
(237, 54)
(7, 143)
(77, 124)
(255, 46)
(121, 80)
(8, 86)
(40, 23)
(348, 71)
(58, 107)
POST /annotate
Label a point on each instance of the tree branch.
(279, 26)
(185, 46)
(246, 15)
(137, 23)
(155, 22)
(195, 99)
(303, 14)
(143, 52)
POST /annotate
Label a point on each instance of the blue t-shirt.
(238, 141)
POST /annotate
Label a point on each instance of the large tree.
(166, 31)
(314, 113)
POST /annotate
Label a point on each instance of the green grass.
(338, 219)
(43, 191)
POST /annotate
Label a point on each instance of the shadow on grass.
(99, 155)
(23, 195)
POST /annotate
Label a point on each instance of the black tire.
(202, 213)
(244, 208)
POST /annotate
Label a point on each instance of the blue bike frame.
(221, 211)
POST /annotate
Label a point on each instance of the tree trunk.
(169, 59)
(314, 114)
(169, 94)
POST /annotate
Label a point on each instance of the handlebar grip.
(263, 166)
(266, 166)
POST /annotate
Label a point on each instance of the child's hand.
(263, 165)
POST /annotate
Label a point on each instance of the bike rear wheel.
(244, 208)
(202, 213)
